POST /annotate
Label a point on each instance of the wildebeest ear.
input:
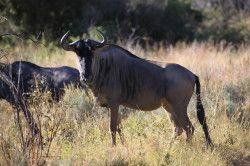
(93, 44)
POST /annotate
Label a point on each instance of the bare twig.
(3, 53)
(24, 35)
(12, 34)
(20, 105)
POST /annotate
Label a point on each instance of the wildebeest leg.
(177, 128)
(184, 121)
(188, 127)
(114, 123)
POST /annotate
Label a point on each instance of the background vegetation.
(142, 20)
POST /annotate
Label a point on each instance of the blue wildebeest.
(28, 77)
(117, 77)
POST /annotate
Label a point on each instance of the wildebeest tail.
(201, 112)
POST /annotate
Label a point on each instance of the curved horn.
(64, 44)
(104, 39)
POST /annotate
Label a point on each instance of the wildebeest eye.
(87, 46)
(79, 45)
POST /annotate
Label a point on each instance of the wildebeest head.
(83, 49)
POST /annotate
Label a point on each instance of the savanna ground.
(76, 130)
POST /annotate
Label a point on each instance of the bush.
(171, 20)
(237, 102)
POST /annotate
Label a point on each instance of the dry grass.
(83, 136)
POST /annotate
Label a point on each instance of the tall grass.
(83, 135)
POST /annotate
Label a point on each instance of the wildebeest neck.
(113, 66)
(86, 68)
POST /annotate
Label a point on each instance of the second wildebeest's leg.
(115, 124)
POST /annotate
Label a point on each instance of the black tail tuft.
(201, 112)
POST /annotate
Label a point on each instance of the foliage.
(170, 20)
(152, 21)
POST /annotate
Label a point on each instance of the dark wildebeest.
(28, 77)
(117, 77)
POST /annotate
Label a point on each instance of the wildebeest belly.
(144, 106)
(145, 103)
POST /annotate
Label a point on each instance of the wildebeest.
(28, 77)
(117, 77)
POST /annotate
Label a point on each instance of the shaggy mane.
(113, 68)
